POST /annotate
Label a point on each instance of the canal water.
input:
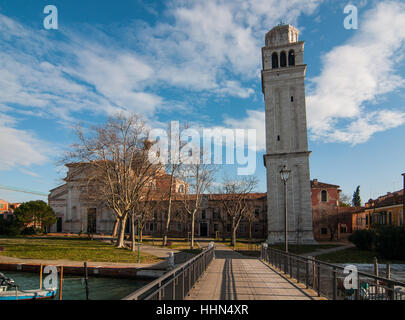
(397, 270)
(74, 286)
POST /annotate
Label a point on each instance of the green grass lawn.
(302, 249)
(76, 249)
(175, 243)
(354, 255)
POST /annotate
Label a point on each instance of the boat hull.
(28, 294)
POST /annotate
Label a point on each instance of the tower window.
(291, 58)
(274, 60)
(283, 59)
(324, 196)
(278, 138)
(292, 99)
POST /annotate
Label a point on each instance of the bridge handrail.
(285, 260)
(156, 289)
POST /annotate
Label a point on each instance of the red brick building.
(331, 221)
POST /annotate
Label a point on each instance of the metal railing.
(176, 284)
(328, 280)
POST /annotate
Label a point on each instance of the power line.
(23, 190)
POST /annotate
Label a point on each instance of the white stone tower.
(283, 83)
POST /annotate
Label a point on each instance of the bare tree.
(199, 175)
(250, 217)
(117, 165)
(235, 200)
(144, 210)
(173, 168)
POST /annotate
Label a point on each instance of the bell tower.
(283, 84)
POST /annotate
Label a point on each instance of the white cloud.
(210, 43)
(255, 120)
(59, 78)
(355, 75)
(19, 147)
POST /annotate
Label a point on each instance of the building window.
(181, 188)
(292, 99)
(274, 60)
(215, 227)
(324, 196)
(283, 60)
(324, 231)
(257, 212)
(390, 217)
(291, 58)
(203, 215)
(256, 228)
(179, 227)
(367, 220)
(214, 215)
(228, 228)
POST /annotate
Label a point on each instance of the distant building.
(331, 221)
(76, 215)
(385, 210)
(211, 222)
(7, 208)
(3, 208)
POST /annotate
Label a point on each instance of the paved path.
(232, 276)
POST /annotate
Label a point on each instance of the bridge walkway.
(232, 276)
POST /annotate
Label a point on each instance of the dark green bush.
(363, 239)
(387, 241)
(30, 231)
(390, 242)
(10, 227)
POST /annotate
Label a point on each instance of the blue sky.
(199, 62)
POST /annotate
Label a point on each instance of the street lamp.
(285, 174)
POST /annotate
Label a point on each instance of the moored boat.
(10, 291)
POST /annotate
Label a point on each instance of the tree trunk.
(120, 243)
(233, 235)
(192, 230)
(140, 233)
(115, 228)
(169, 210)
(132, 233)
(166, 231)
(250, 230)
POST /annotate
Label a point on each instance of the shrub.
(390, 242)
(29, 231)
(363, 239)
(10, 227)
